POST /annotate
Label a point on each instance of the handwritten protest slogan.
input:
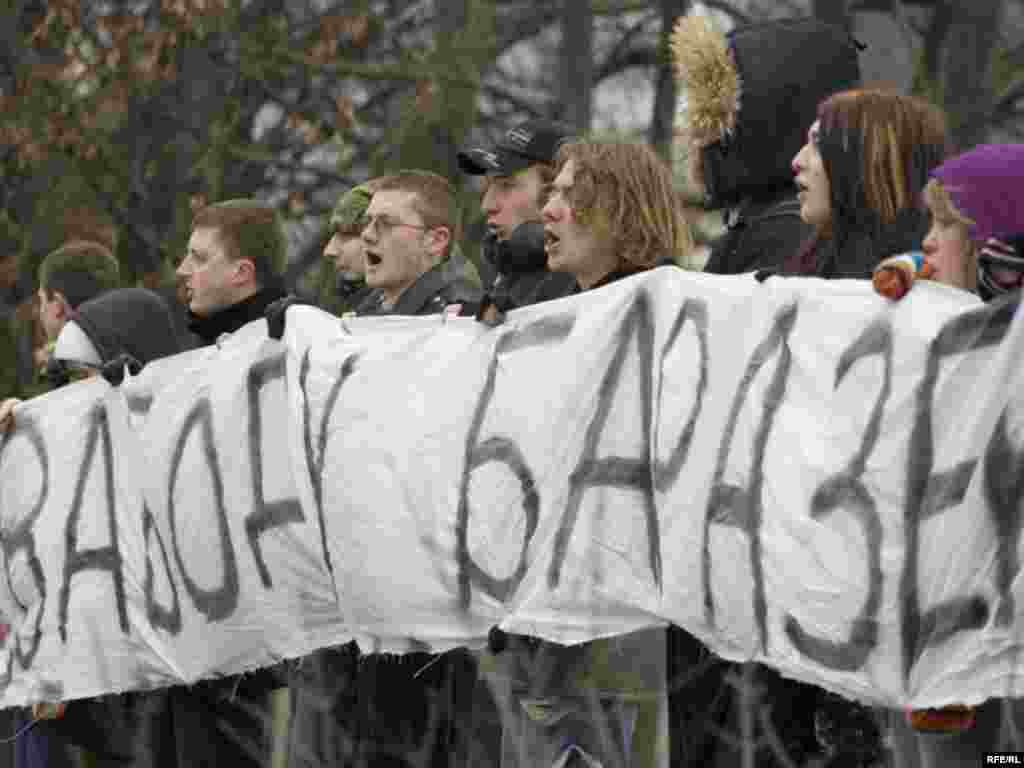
(796, 471)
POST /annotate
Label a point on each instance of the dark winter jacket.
(230, 319)
(434, 291)
(759, 236)
(136, 322)
(377, 710)
(784, 69)
(222, 721)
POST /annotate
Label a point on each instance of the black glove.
(275, 314)
(113, 370)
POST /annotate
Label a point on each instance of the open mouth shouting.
(372, 260)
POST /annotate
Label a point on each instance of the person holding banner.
(738, 146)
(860, 177)
(232, 269)
(344, 252)
(603, 225)
(515, 173)
(409, 236)
(612, 212)
(231, 273)
(72, 274)
(120, 326)
(976, 242)
(321, 685)
(380, 710)
(75, 272)
(984, 189)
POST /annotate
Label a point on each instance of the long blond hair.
(625, 192)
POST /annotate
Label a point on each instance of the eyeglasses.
(384, 224)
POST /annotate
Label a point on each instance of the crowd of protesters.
(816, 176)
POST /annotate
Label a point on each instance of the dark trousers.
(382, 711)
(225, 722)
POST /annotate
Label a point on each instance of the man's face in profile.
(511, 200)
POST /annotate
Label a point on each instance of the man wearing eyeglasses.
(410, 231)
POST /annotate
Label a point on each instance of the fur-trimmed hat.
(705, 68)
(751, 95)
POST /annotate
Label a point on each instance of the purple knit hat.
(987, 185)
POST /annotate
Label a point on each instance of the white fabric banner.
(796, 471)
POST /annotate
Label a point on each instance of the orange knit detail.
(951, 719)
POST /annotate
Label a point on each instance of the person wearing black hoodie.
(123, 326)
(750, 97)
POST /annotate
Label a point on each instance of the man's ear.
(64, 311)
(245, 272)
(440, 238)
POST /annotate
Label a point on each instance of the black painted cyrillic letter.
(741, 506)
(106, 558)
(846, 491)
(264, 516)
(503, 450)
(929, 494)
(220, 602)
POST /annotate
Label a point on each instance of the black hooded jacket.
(132, 321)
(136, 322)
(785, 68)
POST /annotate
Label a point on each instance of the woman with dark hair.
(860, 177)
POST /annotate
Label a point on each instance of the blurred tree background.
(120, 117)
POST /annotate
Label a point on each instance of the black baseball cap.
(535, 141)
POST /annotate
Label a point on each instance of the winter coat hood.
(131, 321)
(750, 97)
